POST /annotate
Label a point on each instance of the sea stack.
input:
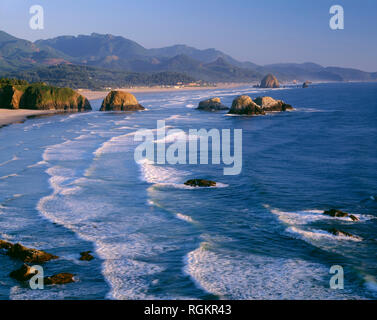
(213, 104)
(39, 96)
(120, 101)
(244, 105)
(269, 104)
(269, 81)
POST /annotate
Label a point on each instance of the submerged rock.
(337, 232)
(340, 214)
(61, 278)
(24, 273)
(25, 254)
(269, 81)
(269, 104)
(213, 104)
(86, 256)
(200, 183)
(244, 105)
(120, 101)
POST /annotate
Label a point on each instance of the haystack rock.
(269, 104)
(244, 105)
(120, 101)
(269, 81)
(213, 104)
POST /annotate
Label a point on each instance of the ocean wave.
(248, 276)
(306, 216)
(14, 158)
(314, 234)
(9, 176)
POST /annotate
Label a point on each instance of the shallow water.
(69, 183)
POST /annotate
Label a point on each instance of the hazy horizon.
(246, 30)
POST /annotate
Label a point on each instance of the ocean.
(69, 183)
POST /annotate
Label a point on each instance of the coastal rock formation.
(42, 97)
(213, 104)
(61, 278)
(200, 183)
(244, 105)
(269, 81)
(337, 232)
(340, 214)
(269, 104)
(86, 256)
(306, 84)
(120, 101)
(25, 254)
(23, 274)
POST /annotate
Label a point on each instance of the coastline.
(9, 116)
(93, 94)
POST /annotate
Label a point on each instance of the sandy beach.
(8, 116)
(92, 95)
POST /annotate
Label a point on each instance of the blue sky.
(268, 31)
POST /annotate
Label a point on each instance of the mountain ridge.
(112, 52)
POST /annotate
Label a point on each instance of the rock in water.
(340, 214)
(269, 81)
(213, 104)
(269, 104)
(61, 278)
(25, 254)
(86, 256)
(338, 233)
(120, 101)
(200, 183)
(244, 105)
(23, 274)
(5, 245)
(306, 84)
(39, 96)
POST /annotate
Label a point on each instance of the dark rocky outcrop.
(306, 84)
(120, 101)
(244, 105)
(200, 183)
(269, 104)
(23, 274)
(29, 255)
(61, 278)
(269, 81)
(86, 256)
(42, 97)
(340, 214)
(337, 232)
(213, 104)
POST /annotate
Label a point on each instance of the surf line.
(153, 148)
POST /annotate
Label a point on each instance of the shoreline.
(97, 94)
(10, 116)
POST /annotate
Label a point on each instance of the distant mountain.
(16, 54)
(109, 52)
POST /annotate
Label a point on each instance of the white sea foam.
(9, 176)
(248, 276)
(14, 158)
(316, 235)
